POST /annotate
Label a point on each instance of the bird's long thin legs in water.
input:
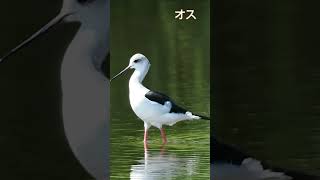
(145, 139)
(163, 135)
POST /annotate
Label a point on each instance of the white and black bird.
(154, 108)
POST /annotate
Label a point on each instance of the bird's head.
(138, 62)
(85, 11)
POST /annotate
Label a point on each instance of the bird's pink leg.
(145, 139)
(163, 135)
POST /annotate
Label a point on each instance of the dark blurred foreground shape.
(32, 141)
(266, 80)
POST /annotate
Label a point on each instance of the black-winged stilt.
(154, 108)
(85, 88)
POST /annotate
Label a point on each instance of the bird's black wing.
(161, 99)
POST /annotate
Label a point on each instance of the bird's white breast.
(152, 113)
(145, 109)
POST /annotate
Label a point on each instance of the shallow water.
(179, 56)
(185, 156)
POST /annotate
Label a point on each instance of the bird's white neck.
(139, 75)
(85, 94)
(87, 49)
(137, 78)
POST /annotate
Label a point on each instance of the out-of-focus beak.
(43, 30)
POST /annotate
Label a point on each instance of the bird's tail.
(202, 117)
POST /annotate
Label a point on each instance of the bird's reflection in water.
(162, 164)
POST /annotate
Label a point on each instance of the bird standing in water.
(154, 108)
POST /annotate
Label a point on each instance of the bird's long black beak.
(125, 69)
(43, 30)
